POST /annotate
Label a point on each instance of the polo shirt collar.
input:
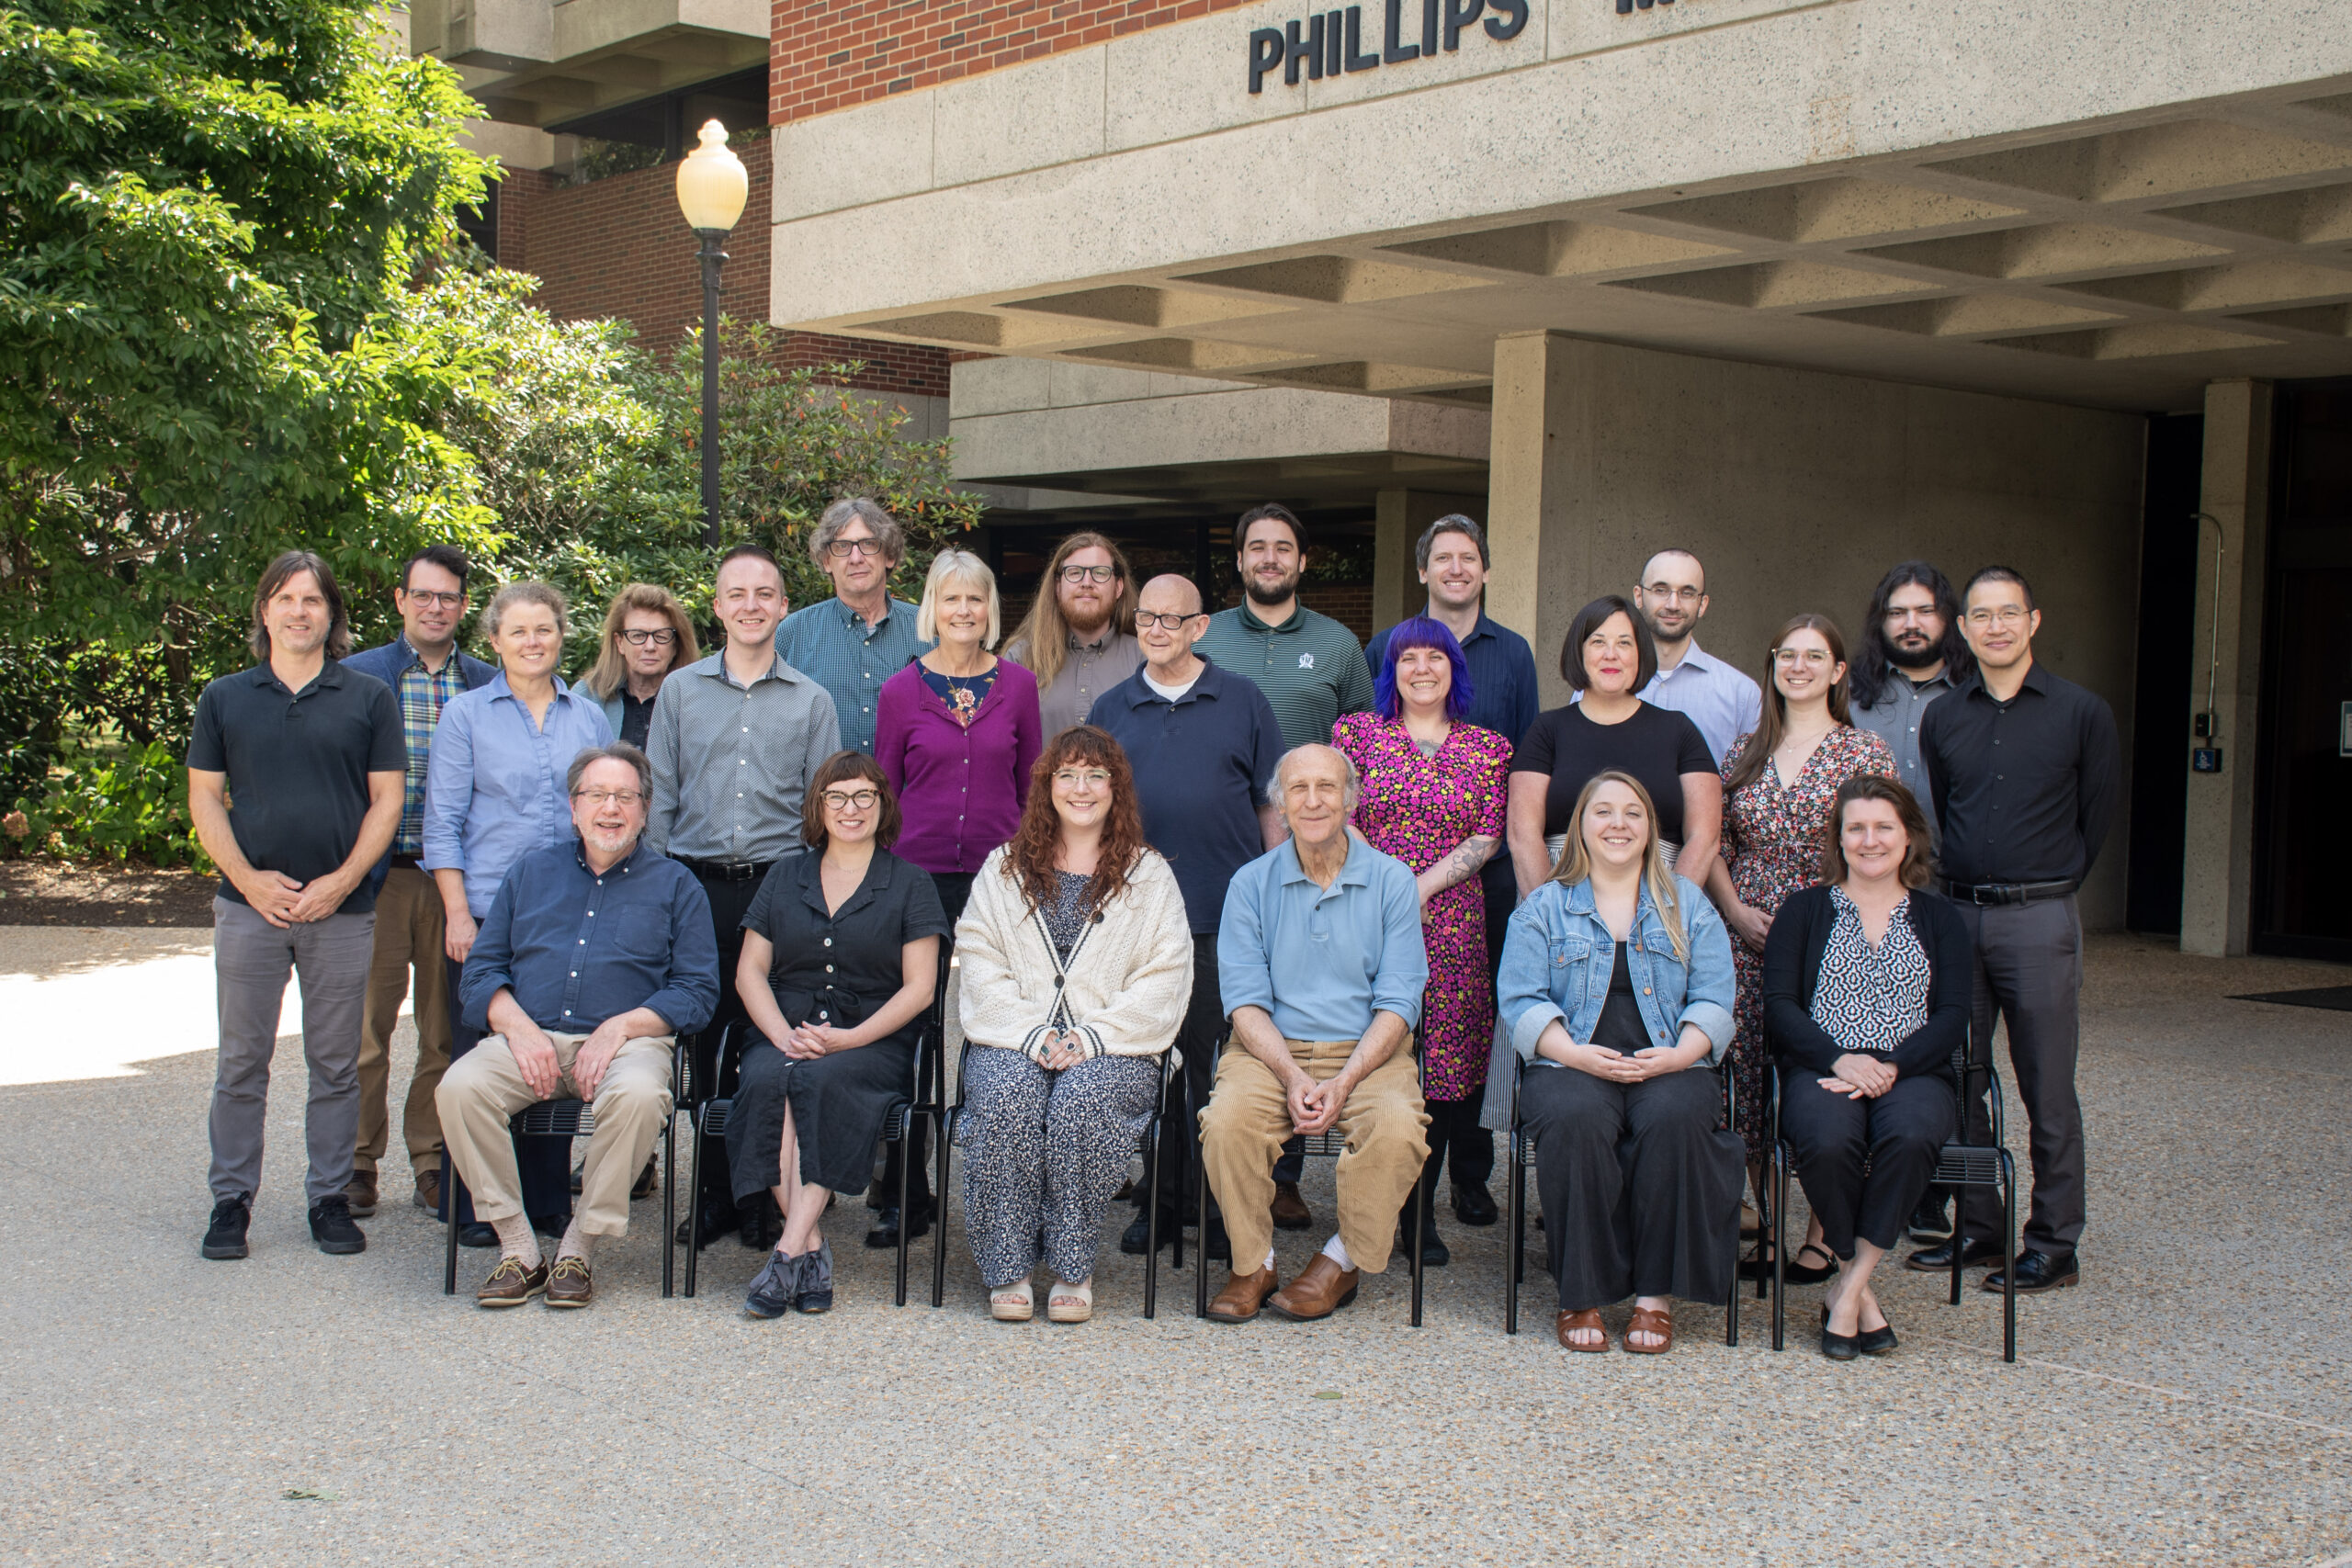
(1354, 872)
(1209, 682)
(330, 675)
(1249, 618)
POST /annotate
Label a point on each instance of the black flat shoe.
(884, 1233)
(1876, 1341)
(477, 1234)
(1840, 1347)
(2038, 1271)
(1757, 1265)
(1937, 1259)
(1474, 1206)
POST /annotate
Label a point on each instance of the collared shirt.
(1503, 693)
(297, 764)
(423, 694)
(495, 789)
(1323, 960)
(1089, 670)
(831, 643)
(1202, 764)
(576, 947)
(2025, 790)
(1894, 718)
(731, 763)
(1310, 667)
(1724, 703)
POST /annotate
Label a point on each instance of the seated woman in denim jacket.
(1616, 980)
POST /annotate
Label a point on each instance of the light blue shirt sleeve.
(1244, 975)
(449, 787)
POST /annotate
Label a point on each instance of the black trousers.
(1640, 1187)
(1198, 1037)
(1470, 1154)
(1898, 1135)
(729, 902)
(2030, 975)
(1456, 1139)
(544, 1163)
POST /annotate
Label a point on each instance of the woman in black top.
(1866, 983)
(840, 953)
(1609, 657)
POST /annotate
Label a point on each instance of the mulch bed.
(58, 893)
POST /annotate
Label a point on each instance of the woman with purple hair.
(1434, 794)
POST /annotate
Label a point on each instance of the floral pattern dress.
(1420, 809)
(1771, 846)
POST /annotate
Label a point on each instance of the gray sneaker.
(817, 1280)
(773, 1291)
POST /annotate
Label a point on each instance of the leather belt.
(727, 870)
(2007, 892)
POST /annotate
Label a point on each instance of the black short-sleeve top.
(839, 968)
(1655, 745)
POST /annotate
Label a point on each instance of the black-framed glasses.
(637, 637)
(851, 800)
(1146, 620)
(1089, 574)
(841, 549)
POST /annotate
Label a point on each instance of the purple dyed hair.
(1422, 632)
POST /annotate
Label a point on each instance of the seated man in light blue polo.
(1321, 957)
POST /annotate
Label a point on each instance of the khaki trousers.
(410, 929)
(1249, 1117)
(484, 1087)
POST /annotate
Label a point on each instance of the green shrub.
(125, 806)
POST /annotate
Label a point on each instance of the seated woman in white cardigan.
(1077, 960)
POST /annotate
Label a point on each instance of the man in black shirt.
(2025, 770)
(296, 774)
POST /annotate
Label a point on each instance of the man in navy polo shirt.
(1452, 558)
(296, 774)
(1203, 744)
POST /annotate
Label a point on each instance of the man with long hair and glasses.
(1912, 652)
(861, 637)
(1078, 638)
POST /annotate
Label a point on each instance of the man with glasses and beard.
(1912, 652)
(1078, 638)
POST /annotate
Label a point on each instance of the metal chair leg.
(1151, 1223)
(694, 1204)
(449, 1193)
(2008, 1260)
(668, 1202)
(1515, 1188)
(906, 1129)
(1780, 1247)
(943, 1133)
(1196, 1181)
(1420, 1221)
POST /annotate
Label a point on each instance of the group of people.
(1371, 892)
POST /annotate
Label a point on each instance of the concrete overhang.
(532, 62)
(2108, 205)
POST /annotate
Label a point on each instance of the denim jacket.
(1558, 956)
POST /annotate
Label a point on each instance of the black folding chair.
(1331, 1143)
(1523, 1159)
(1961, 1164)
(947, 1119)
(570, 1119)
(711, 1121)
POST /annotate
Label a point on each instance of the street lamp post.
(712, 188)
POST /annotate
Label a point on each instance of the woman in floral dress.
(1777, 786)
(1434, 791)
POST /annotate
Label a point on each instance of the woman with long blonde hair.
(646, 635)
(1617, 982)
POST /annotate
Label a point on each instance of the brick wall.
(619, 247)
(829, 54)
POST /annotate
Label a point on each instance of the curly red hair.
(1029, 859)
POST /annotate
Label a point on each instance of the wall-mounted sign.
(1331, 42)
(1625, 7)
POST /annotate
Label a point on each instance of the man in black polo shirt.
(1203, 744)
(2025, 770)
(295, 777)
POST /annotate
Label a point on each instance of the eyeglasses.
(1089, 574)
(609, 796)
(419, 597)
(639, 638)
(1092, 778)
(1677, 595)
(1146, 620)
(1812, 657)
(841, 549)
(851, 800)
(2007, 616)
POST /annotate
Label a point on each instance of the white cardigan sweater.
(1128, 982)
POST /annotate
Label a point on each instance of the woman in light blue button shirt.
(1616, 984)
(493, 792)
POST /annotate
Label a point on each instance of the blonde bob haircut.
(958, 566)
(1576, 861)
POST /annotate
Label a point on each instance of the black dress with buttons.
(836, 969)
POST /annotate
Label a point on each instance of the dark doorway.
(2161, 704)
(2302, 831)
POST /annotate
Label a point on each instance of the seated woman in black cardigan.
(1866, 1000)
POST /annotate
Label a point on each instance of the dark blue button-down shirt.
(577, 948)
(1502, 678)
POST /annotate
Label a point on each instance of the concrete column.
(2217, 862)
(1531, 470)
(1399, 517)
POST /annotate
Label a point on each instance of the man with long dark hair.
(1911, 653)
(1078, 638)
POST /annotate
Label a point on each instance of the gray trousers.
(2030, 974)
(251, 961)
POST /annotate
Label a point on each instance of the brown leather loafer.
(360, 1193)
(1242, 1296)
(428, 1191)
(1290, 1210)
(569, 1284)
(510, 1284)
(1323, 1289)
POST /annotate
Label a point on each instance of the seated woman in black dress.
(841, 954)
(1866, 999)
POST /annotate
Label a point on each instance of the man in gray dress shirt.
(1911, 653)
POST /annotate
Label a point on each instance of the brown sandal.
(1650, 1320)
(1589, 1319)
